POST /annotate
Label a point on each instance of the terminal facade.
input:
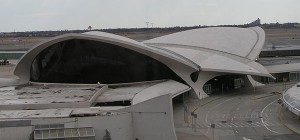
(97, 85)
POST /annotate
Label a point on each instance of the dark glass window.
(85, 61)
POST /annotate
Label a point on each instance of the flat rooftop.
(281, 48)
(42, 100)
(47, 96)
(267, 61)
(40, 94)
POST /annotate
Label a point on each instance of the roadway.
(246, 114)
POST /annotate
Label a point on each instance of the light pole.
(213, 126)
(254, 86)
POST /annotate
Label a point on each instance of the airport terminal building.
(283, 62)
(98, 85)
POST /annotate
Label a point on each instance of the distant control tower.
(254, 23)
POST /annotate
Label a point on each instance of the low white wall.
(8, 82)
(15, 133)
(153, 119)
(119, 126)
(148, 120)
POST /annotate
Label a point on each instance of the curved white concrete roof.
(231, 50)
(22, 69)
(244, 42)
(173, 87)
(222, 50)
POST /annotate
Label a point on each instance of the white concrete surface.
(124, 93)
(45, 113)
(167, 87)
(153, 119)
(42, 96)
(216, 50)
(15, 133)
(244, 42)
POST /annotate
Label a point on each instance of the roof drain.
(194, 76)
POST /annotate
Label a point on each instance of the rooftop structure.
(105, 82)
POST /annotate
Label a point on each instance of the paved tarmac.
(290, 120)
(240, 115)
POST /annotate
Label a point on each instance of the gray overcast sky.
(33, 15)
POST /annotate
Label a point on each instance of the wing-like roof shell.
(219, 49)
(244, 42)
